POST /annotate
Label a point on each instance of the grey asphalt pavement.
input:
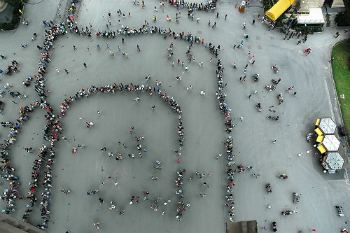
(253, 132)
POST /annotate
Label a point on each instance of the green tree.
(14, 2)
(343, 18)
(17, 9)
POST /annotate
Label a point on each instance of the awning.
(327, 126)
(318, 132)
(278, 9)
(320, 138)
(317, 122)
(333, 161)
(315, 16)
(331, 143)
(321, 149)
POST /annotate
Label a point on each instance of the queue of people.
(221, 96)
(229, 200)
(51, 134)
(8, 173)
(192, 6)
(181, 205)
(138, 89)
(43, 165)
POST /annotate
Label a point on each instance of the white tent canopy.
(334, 161)
(327, 126)
(331, 142)
(315, 16)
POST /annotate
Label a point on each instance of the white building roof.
(315, 16)
(337, 3)
(331, 143)
(334, 161)
(327, 125)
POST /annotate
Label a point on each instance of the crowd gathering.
(43, 165)
(140, 89)
(154, 201)
(191, 6)
(13, 68)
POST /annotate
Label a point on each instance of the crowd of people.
(8, 172)
(155, 202)
(221, 96)
(141, 148)
(192, 6)
(43, 165)
(13, 68)
(181, 205)
(224, 108)
(138, 89)
(230, 203)
(144, 30)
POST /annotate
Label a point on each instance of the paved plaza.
(96, 129)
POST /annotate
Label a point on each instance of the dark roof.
(242, 227)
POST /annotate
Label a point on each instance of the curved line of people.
(53, 127)
(51, 134)
(8, 172)
(119, 88)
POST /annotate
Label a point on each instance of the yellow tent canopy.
(321, 148)
(278, 9)
(318, 132)
(319, 138)
(317, 122)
